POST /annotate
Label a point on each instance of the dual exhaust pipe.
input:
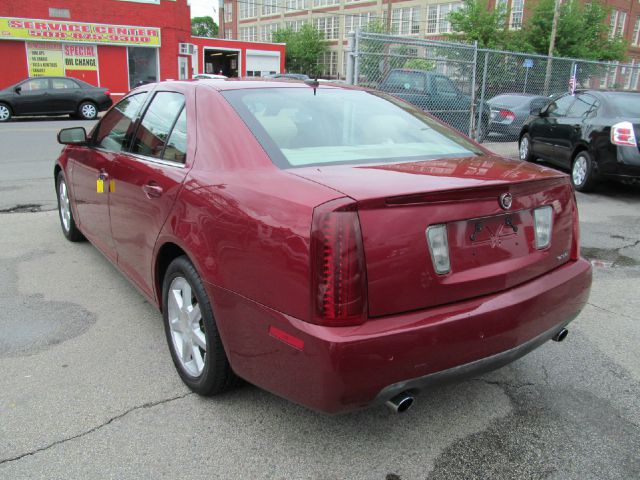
(405, 400)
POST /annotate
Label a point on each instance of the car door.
(543, 130)
(31, 97)
(147, 181)
(449, 104)
(90, 171)
(65, 95)
(569, 128)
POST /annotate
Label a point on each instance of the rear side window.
(115, 130)
(63, 83)
(444, 85)
(583, 106)
(176, 149)
(400, 80)
(157, 125)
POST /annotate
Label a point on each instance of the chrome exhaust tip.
(561, 335)
(400, 403)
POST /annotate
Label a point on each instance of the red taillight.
(108, 93)
(623, 134)
(337, 265)
(575, 244)
(507, 114)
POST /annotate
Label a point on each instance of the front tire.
(5, 112)
(583, 176)
(524, 149)
(67, 222)
(88, 110)
(192, 333)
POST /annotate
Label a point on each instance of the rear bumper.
(345, 368)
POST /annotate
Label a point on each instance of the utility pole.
(552, 44)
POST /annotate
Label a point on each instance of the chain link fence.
(486, 94)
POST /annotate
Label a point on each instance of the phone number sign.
(47, 30)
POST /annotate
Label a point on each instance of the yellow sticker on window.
(100, 185)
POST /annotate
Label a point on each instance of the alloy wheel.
(187, 327)
(524, 148)
(5, 114)
(65, 209)
(579, 172)
(88, 110)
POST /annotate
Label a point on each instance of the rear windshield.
(625, 104)
(299, 127)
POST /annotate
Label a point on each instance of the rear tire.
(5, 112)
(583, 176)
(524, 149)
(192, 333)
(88, 111)
(65, 212)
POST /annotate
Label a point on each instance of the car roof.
(240, 84)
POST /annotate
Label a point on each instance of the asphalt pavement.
(88, 389)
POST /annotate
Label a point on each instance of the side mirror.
(18, 90)
(72, 136)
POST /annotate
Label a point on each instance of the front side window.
(299, 128)
(157, 123)
(560, 106)
(35, 84)
(444, 85)
(114, 131)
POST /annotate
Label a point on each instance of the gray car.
(509, 111)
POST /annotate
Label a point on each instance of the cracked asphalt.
(88, 389)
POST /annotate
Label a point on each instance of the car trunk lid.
(490, 248)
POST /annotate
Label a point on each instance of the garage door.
(261, 63)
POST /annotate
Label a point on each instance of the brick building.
(256, 20)
(118, 43)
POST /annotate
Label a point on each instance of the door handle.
(152, 190)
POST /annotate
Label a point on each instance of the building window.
(405, 21)
(228, 34)
(266, 32)
(297, 4)
(295, 25)
(329, 64)
(618, 19)
(143, 65)
(59, 13)
(636, 32)
(247, 9)
(228, 12)
(632, 83)
(356, 22)
(438, 17)
(248, 34)
(517, 11)
(328, 26)
(269, 7)
(325, 3)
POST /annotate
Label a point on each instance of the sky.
(201, 8)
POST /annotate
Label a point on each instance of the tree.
(582, 31)
(476, 22)
(204, 27)
(304, 49)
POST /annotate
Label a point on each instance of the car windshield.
(306, 126)
(625, 104)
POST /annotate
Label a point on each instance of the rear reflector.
(623, 134)
(439, 248)
(543, 218)
(287, 338)
(337, 265)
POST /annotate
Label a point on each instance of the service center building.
(109, 43)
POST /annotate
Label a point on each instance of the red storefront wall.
(172, 17)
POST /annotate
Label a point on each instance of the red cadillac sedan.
(335, 246)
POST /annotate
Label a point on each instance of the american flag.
(573, 81)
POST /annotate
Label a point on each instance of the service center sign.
(49, 30)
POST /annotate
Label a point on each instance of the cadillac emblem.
(505, 201)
